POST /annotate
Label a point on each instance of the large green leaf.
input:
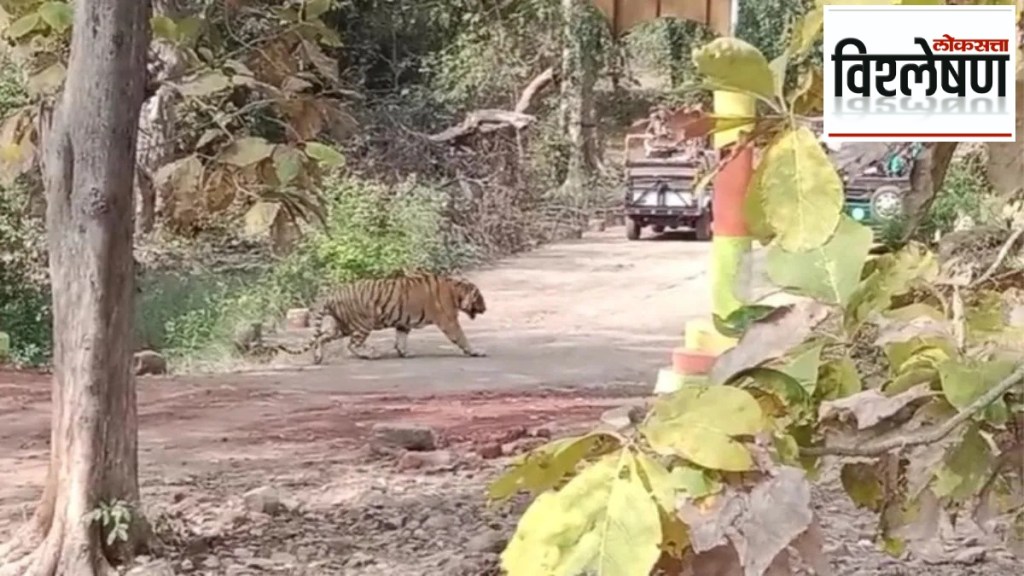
(964, 382)
(731, 63)
(700, 424)
(800, 191)
(829, 272)
(246, 151)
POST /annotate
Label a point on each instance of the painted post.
(730, 243)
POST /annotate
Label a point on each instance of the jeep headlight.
(887, 202)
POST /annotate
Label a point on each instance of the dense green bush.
(24, 292)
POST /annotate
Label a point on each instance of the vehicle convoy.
(661, 174)
(663, 168)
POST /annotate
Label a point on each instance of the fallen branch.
(490, 120)
(482, 122)
(924, 437)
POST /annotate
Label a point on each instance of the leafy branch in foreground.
(902, 369)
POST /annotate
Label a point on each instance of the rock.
(487, 541)
(264, 500)
(282, 558)
(623, 416)
(187, 565)
(149, 362)
(522, 445)
(296, 318)
(439, 522)
(211, 562)
(438, 459)
(158, 568)
(489, 450)
(236, 570)
(359, 559)
(409, 436)
(972, 555)
(543, 431)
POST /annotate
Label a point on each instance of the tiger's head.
(471, 301)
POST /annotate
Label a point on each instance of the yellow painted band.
(702, 336)
(726, 257)
(732, 104)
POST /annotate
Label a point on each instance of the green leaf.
(778, 68)
(546, 466)
(918, 352)
(732, 63)
(806, 32)
(246, 151)
(23, 26)
(965, 468)
(740, 319)
(204, 84)
(863, 484)
(163, 27)
(753, 211)
(838, 379)
(803, 366)
(784, 386)
(57, 15)
(630, 532)
(315, 8)
(830, 272)
(287, 163)
(693, 482)
(964, 382)
(699, 424)
(324, 154)
(800, 191)
(602, 522)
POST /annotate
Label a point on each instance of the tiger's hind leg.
(358, 347)
(453, 331)
(402, 341)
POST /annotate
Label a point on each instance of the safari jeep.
(660, 187)
(875, 179)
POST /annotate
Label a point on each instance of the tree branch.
(539, 83)
(489, 120)
(924, 437)
(484, 121)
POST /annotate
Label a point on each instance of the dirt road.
(590, 312)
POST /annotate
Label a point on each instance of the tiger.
(403, 302)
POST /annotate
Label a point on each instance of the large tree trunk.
(88, 158)
(577, 102)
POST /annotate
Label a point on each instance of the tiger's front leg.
(402, 341)
(453, 331)
(358, 347)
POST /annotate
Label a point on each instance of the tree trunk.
(88, 157)
(577, 99)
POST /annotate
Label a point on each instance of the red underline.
(916, 135)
